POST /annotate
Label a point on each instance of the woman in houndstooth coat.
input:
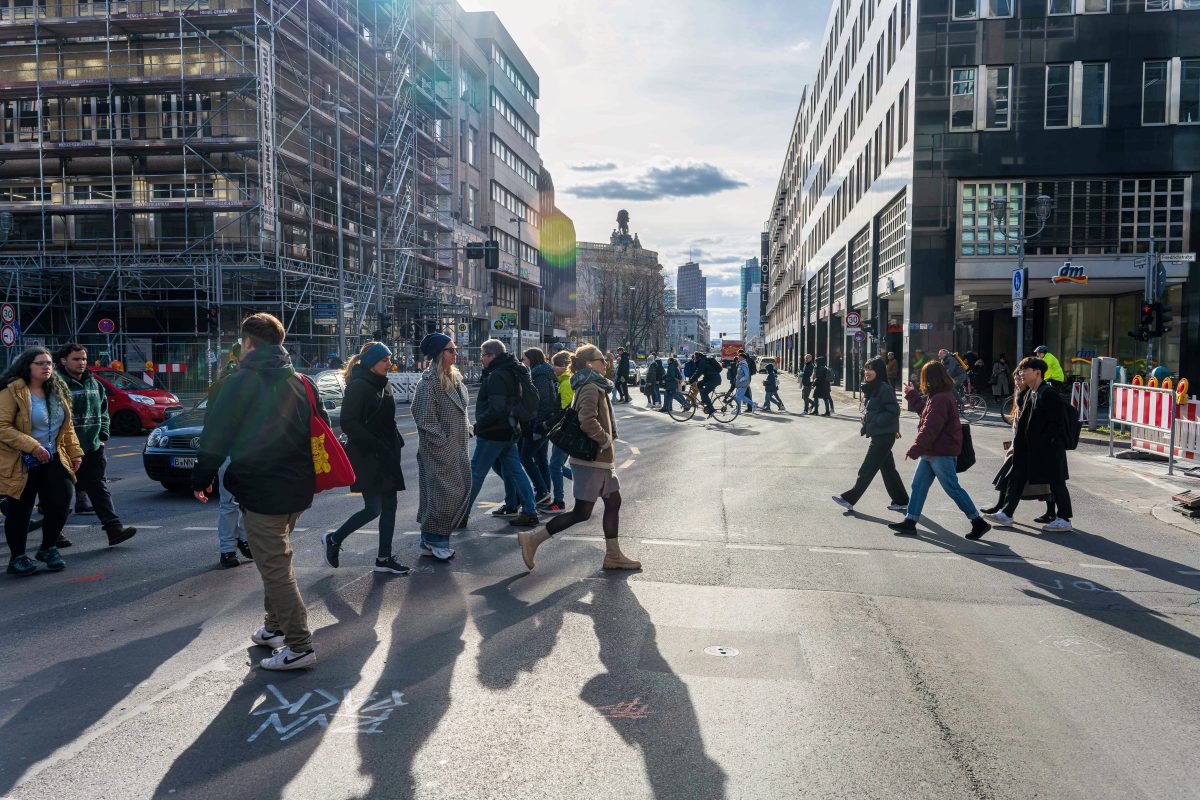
(439, 408)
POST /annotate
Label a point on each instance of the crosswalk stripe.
(1113, 566)
(839, 551)
(675, 542)
(737, 546)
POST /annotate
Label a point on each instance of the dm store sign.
(1070, 273)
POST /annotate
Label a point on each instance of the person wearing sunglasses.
(39, 455)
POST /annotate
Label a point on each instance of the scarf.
(589, 375)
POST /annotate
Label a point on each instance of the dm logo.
(1069, 273)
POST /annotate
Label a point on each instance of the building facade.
(619, 287)
(687, 331)
(750, 279)
(691, 287)
(919, 152)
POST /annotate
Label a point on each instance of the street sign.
(853, 320)
(1018, 284)
(8, 313)
(324, 313)
(1018, 308)
(860, 336)
(106, 325)
(498, 325)
(462, 327)
(8, 335)
(1176, 258)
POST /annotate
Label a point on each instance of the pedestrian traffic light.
(491, 256)
(1147, 315)
(867, 326)
(1145, 323)
(212, 318)
(475, 251)
(1162, 319)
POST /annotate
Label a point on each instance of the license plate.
(182, 463)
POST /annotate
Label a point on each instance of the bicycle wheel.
(974, 408)
(1006, 410)
(725, 408)
(682, 409)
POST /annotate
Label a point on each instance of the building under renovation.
(168, 167)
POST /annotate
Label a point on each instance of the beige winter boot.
(615, 559)
(530, 540)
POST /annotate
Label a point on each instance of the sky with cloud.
(677, 110)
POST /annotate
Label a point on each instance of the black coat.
(1040, 444)
(259, 420)
(821, 380)
(806, 374)
(623, 368)
(546, 383)
(369, 422)
(496, 398)
(882, 414)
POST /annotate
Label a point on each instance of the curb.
(1163, 513)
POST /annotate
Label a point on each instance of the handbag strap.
(308, 388)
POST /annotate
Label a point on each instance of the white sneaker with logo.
(285, 658)
(999, 518)
(1059, 525)
(267, 638)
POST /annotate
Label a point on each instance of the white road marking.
(142, 527)
(497, 535)
(1113, 566)
(740, 546)
(1189, 572)
(410, 533)
(627, 463)
(126, 455)
(674, 542)
(87, 526)
(838, 551)
(580, 537)
(199, 529)
(634, 450)
(1015, 560)
(950, 556)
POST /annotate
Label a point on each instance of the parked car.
(171, 448)
(133, 404)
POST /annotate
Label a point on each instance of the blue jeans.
(558, 460)
(941, 467)
(655, 394)
(533, 459)
(488, 452)
(741, 396)
(230, 526)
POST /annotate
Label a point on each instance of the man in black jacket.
(260, 421)
(497, 429)
(707, 376)
(621, 379)
(1039, 448)
(806, 382)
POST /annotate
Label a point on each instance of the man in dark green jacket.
(89, 412)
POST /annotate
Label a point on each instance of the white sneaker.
(440, 553)
(1059, 525)
(843, 502)
(285, 658)
(897, 507)
(999, 518)
(267, 638)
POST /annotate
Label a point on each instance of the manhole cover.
(721, 650)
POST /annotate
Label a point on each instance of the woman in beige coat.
(592, 479)
(39, 455)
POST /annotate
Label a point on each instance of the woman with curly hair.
(39, 455)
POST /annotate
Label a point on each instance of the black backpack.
(1074, 427)
(753, 362)
(526, 408)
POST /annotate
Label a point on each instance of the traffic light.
(1147, 315)
(475, 251)
(212, 318)
(1162, 319)
(1145, 324)
(867, 326)
(491, 256)
(385, 327)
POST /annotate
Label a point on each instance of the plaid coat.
(444, 466)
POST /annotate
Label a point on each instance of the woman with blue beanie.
(369, 422)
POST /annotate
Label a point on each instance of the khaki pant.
(268, 535)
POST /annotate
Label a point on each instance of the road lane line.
(839, 551)
(1113, 566)
(497, 535)
(673, 542)
(950, 556)
(627, 463)
(142, 527)
(739, 546)
(635, 450)
(1189, 572)
(580, 537)
(87, 526)
(200, 529)
(1014, 560)
(126, 455)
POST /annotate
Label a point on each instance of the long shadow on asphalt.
(249, 751)
(1085, 597)
(726, 428)
(62, 701)
(638, 693)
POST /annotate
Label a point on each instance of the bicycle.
(971, 407)
(725, 407)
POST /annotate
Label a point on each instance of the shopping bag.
(331, 465)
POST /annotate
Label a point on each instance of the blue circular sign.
(106, 326)
(1017, 281)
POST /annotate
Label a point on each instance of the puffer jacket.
(882, 414)
(940, 432)
(16, 428)
(565, 392)
(369, 422)
(89, 410)
(596, 420)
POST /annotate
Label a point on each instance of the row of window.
(514, 204)
(109, 192)
(1076, 95)
(503, 152)
(509, 244)
(518, 124)
(1004, 9)
(503, 63)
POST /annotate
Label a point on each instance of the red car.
(134, 405)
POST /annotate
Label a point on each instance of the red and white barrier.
(1150, 414)
(1080, 398)
(176, 368)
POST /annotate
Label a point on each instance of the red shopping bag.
(331, 466)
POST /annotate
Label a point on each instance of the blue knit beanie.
(374, 354)
(433, 345)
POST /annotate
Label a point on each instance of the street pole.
(1024, 291)
(1045, 204)
(1151, 292)
(341, 254)
(517, 333)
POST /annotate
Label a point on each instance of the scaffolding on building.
(163, 158)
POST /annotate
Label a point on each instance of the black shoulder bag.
(569, 437)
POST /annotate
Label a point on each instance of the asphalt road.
(866, 666)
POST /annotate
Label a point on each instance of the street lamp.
(1045, 205)
(338, 110)
(517, 334)
(629, 331)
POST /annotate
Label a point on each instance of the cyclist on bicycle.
(707, 376)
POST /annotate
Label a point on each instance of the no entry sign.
(8, 335)
(106, 325)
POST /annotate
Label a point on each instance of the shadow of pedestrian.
(51, 709)
(425, 646)
(255, 749)
(643, 699)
